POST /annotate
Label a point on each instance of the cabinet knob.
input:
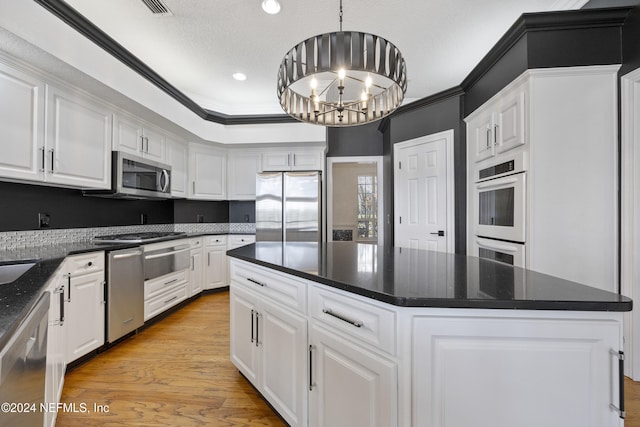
(90, 263)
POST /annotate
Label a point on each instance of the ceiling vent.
(157, 7)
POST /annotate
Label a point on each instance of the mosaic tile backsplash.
(21, 239)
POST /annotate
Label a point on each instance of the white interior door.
(424, 192)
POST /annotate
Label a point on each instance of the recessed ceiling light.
(239, 76)
(271, 6)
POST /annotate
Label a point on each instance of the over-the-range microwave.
(134, 177)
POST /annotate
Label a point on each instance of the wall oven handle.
(497, 183)
(495, 245)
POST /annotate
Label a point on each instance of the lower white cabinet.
(268, 345)
(196, 275)
(235, 241)
(162, 293)
(84, 314)
(350, 386)
(56, 348)
(215, 251)
(485, 370)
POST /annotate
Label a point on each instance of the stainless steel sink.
(11, 272)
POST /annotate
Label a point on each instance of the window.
(367, 207)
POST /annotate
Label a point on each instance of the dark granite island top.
(417, 278)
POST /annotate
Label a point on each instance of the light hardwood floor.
(178, 373)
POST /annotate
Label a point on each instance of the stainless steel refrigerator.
(289, 206)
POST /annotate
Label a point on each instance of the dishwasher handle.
(127, 255)
(176, 250)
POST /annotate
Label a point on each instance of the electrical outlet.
(144, 219)
(44, 220)
(199, 218)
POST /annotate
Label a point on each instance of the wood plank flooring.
(175, 373)
(178, 373)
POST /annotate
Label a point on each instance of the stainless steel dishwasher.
(125, 292)
(23, 363)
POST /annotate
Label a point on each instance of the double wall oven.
(499, 210)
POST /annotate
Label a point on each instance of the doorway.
(354, 199)
(423, 193)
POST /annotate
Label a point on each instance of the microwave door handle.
(164, 187)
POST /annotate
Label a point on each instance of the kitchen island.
(357, 334)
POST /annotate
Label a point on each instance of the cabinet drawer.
(215, 240)
(161, 284)
(79, 265)
(164, 301)
(372, 324)
(196, 242)
(238, 241)
(280, 287)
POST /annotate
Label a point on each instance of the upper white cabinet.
(207, 172)
(243, 166)
(499, 125)
(178, 158)
(135, 137)
(77, 148)
(21, 125)
(292, 160)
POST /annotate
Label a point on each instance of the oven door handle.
(502, 182)
(178, 249)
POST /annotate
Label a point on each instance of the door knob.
(439, 233)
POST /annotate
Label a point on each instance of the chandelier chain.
(340, 15)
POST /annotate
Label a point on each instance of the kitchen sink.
(11, 272)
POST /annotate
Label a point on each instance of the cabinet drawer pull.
(170, 282)
(61, 290)
(252, 331)
(311, 367)
(619, 409)
(170, 299)
(69, 286)
(256, 282)
(258, 316)
(43, 159)
(355, 323)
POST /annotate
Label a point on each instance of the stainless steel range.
(142, 237)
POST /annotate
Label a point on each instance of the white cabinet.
(164, 292)
(56, 347)
(292, 160)
(216, 262)
(135, 137)
(78, 141)
(478, 369)
(350, 386)
(84, 311)
(196, 273)
(178, 159)
(269, 346)
(499, 125)
(21, 125)
(207, 172)
(243, 167)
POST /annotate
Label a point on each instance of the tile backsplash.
(20, 239)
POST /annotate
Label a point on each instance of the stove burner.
(136, 237)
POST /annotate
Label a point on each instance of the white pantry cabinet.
(136, 137)
(178, 158)
(21, 125)
(296, 159)
(207, 172)
(243, 166)
(77, 149)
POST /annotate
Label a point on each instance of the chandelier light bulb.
(368, 82)
(313, 84)
(341, 73)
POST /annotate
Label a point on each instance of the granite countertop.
(417, 278)
(18, 298)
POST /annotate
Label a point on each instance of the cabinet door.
(481, 135)
(196, 274)
(282, 337)
(510, 127)
(273, 160)
(127, 135)
(208, 173)
(21, 125)
(350, 386)
(216, 270)
(78, 141)
(153, 145)
(243, 167)
(514, 372)
(56, 348)
(306, 160)
(177, 157)
(244, 349)
(84, 314)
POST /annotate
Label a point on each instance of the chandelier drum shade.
(343, 78)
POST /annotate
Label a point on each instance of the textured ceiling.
(204, 42)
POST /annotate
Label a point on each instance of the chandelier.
(342, 78)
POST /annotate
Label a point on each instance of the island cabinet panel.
(484, 369)
(349, 386)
